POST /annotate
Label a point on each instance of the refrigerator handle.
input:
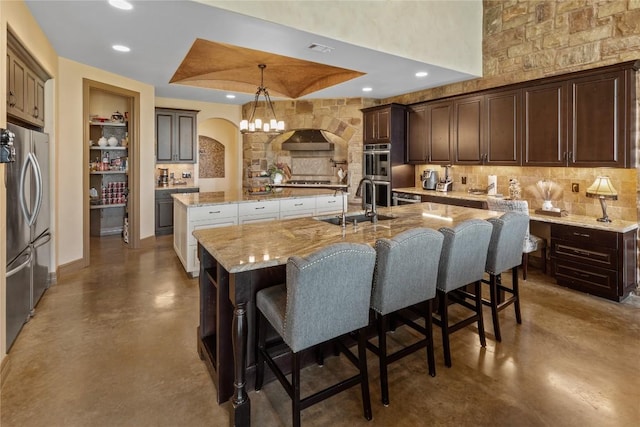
(23, 265)
(21, 185)
(42, 240)
(38, 173)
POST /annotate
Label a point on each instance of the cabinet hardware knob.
(581, 234)
(298, 204)
(261, 207)
(36, 112)
(214, 212)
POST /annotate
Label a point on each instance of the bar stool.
(508, 232)
(326, 296)
(405, 275)
(462, 262)
(531, 243)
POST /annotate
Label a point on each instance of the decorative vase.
(547, 205)
(277, 178)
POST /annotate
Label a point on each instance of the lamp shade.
(602, 188)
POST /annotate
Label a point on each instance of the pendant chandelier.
(255, 125)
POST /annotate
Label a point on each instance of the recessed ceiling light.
(120, 48)
(367, 89)
(422, 74)
(121, 4)
(231, 96)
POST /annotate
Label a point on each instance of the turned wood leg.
(241, 403)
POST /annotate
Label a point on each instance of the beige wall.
(16, 17)
(70, 165)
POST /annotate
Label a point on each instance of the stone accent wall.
(341, 119)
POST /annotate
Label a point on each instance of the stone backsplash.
(623, 180)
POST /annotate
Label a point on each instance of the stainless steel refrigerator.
(28, 233)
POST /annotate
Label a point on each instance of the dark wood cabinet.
(417, 146)
(598, 136)
(545, 123)
(176, 136)
(164, 209)
(503, 127)
(440, 132)
(384, 124)
(469, 130)
(598, 262)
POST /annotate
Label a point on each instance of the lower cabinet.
(327, 205)
(598, 262)
(297, 208)
(164, 209)
(259, 211)
(478, 204)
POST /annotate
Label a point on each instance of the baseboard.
(4, 369)
(69, 267)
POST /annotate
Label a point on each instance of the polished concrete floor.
(115, 345)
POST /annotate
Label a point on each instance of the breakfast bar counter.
(238, 261)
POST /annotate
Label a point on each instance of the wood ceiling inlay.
(231, 68)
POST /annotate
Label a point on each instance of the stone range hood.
(307, 140)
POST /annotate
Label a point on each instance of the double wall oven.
(377, 164)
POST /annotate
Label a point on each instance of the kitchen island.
(196, 211)
(238, 261)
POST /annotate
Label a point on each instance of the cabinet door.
(597, 133)
(417, 148)
(164, 137)
(369, 129)
(440, 125)
(17, 91)
(383, 124)
(544, 124)
(164, 216)
(186, 138)
(504, 129)
(39, 107)
(468, 134)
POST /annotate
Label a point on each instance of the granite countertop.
(225, 197)
(175, 187)
(253, 246)
(617, 225)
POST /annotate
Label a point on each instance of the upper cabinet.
(25, 85)
(176, 136)
(384, 124)
(582, 119)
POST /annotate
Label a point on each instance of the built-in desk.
(237, 261)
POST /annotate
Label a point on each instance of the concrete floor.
(114, 345)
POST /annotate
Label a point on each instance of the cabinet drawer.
(213, 212)
(330, 204)
(288, 205)
(595, 255)
(596, 281)
(258, 208)
(585, 237)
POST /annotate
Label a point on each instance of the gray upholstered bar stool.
(504, 254)
(326, 296)
(462, 262)
(405, 275)
(531, 243)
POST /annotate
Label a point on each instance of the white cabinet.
(297, 208)
(326, 205)
(267, 210)
(188, 220)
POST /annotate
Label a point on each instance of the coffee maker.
(445, 184)
(429, 179)
(163, 178)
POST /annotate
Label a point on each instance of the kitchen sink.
(358, 217)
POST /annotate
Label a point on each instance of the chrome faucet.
(373, 214)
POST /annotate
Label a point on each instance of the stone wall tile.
(578, 55)
(542, 59)
(628, 23)
(568, 6)
(618, 46)
(492, 18)
(611, 8)
(582, 19)
(633, 4)
(539, 30)
(543, 11)
(591, 35)
(555, 40)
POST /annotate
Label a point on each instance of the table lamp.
(602, 189)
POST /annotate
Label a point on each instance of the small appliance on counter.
(163, 179)
(445, 184)
(429, 179)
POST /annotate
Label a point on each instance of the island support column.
(241, 404)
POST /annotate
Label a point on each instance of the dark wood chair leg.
(428, 324)
(444, 321)
(525, 263)
(516, 294)
(295, 383)
(364, 374)
(383, 323)
(319, 352)
(493, 291)
(262, 334)
(544, 260)
(478, 289)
